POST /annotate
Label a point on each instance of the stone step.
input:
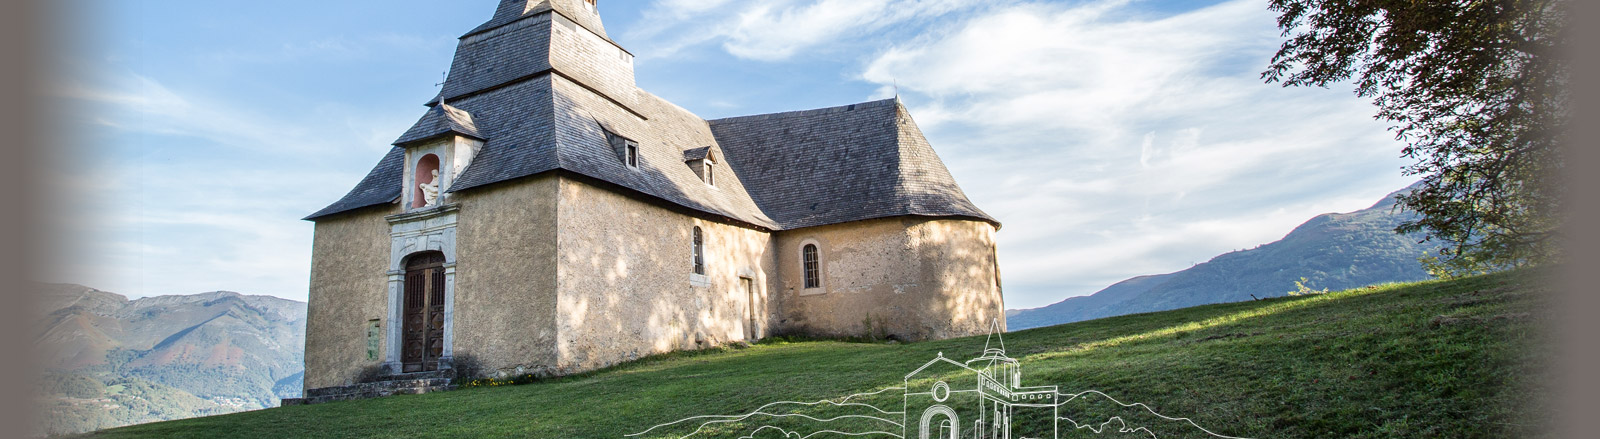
(412, 384)
(378, 386)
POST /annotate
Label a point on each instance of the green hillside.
(1434, 359)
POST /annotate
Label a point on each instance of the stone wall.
(627, 287)
(912, 278)
(505, 300)
(349, 262)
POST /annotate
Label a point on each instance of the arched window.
(809, 263)
(699, 252)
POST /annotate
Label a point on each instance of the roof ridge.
(661, 100)
(803, 113)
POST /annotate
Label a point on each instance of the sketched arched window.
(699, 252)
(810, 262)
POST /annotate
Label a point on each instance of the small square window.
(633, 154)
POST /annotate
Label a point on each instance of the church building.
(546, 216)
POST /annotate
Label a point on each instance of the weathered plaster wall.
(626, 286)
(556, 276)
(349, 259)
(910, 277)
(505, 277)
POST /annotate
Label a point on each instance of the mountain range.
(108, 361)
(1333, 251)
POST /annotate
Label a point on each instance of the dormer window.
(627, 150)
(438, 149)
(703, 161)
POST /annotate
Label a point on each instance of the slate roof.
(696, 154)
(790, 170)
(439, 121)
(380, 186)
(841, 164)
(525, 47)
(507, 54)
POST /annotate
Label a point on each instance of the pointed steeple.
(585, 13)
(514, 9)
(996, 341)
(527, 38)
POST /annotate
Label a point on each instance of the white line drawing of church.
(984, 396)
(981, 398)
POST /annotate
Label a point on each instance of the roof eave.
(983, 219)
(441, 135)
(324, 213)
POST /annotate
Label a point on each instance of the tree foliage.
(1476, 89)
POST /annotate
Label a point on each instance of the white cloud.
(337, 47)
(1114, 144)
(139, 104)
(778, 29)
(189, 195)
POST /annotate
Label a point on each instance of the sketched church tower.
(983, 398)
(547, 216)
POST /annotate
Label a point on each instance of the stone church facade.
(546, 216)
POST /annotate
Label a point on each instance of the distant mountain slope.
(1334, 251)
(110, 361)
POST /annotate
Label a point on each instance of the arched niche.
(426, 168)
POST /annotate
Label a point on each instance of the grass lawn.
(1457, 359)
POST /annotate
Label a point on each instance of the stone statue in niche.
(430, 190)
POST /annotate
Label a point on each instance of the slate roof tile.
(380, 186)
(696, 154)
(841, 164)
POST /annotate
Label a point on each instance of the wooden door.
(424, 313)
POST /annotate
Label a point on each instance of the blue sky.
(1113, 138)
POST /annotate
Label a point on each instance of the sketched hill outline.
(1071, 397)
(763, 411)
(1062, 399)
